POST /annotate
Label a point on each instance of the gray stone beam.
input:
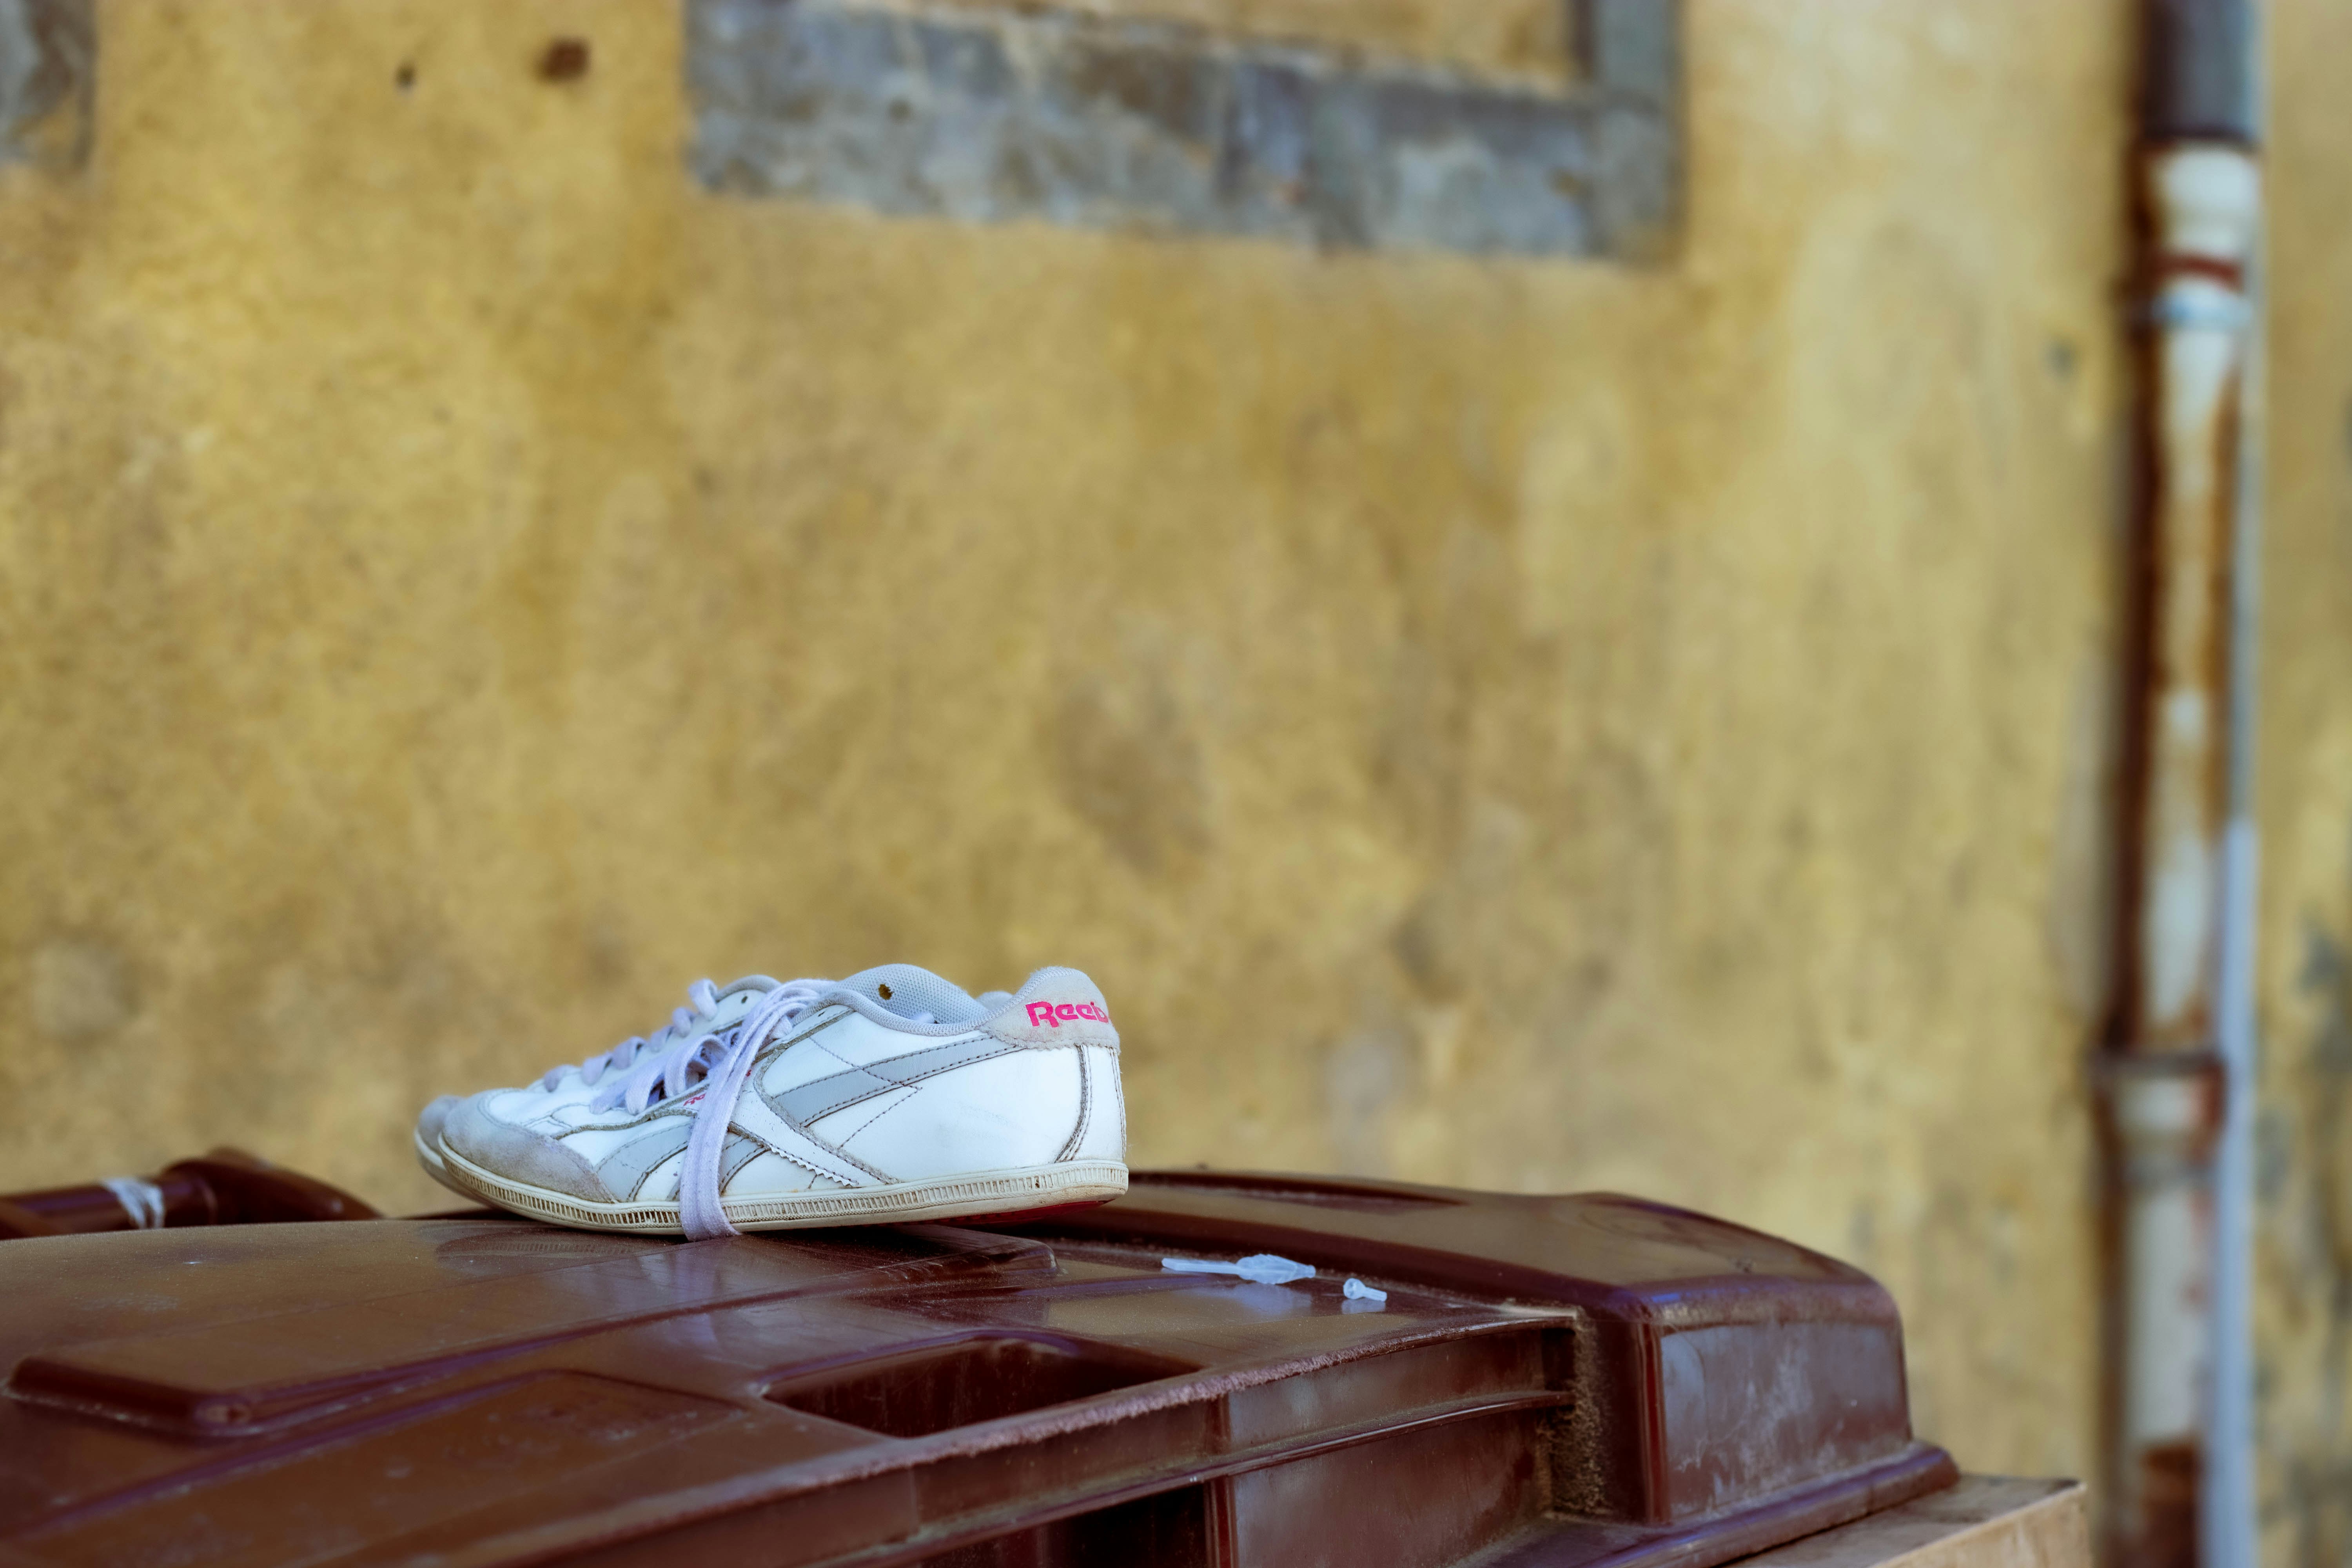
(1061, 117)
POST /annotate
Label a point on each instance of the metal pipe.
(2173, 1066)
(2229, 1535)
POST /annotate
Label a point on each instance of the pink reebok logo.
(1059, 1013)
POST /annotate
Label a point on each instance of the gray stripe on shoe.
(623, 1171)
(741, 1151)
(810, 1101)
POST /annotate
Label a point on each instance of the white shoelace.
(720, 1061)
(685, 1022)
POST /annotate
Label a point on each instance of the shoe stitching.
(775, 1049)
(837, 1055)
(767, 1058)
(895, 1082)
(1086, 1111)
(638, 1191)
(969, 1062)
(1003, 1045)
(913, 1079)
(732, 1161)
(884, 1111)
(916, 1081)
(637, 1199)
(642, 1119)
(845, 1157)
(890, 1083)
(847, 1065)
(753, 1084)
(876, 1172)
(642, 1176)
(830, 1147)
(553, 1130)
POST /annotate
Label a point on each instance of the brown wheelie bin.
(1560, 1381)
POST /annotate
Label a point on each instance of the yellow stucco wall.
(2303, 1161)
(1540, 725)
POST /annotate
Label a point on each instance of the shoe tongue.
(910, 992)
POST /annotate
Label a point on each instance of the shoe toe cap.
(469, 1128)
(430, 1120)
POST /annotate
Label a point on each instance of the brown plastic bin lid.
(1564, 1381)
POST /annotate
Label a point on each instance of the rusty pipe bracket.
(2166, 1108)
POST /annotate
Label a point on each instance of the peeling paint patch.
(1112, 123)
(48, 65)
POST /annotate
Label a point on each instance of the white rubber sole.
(428, 1156)
(900, 1203)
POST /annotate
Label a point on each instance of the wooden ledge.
(1984, 1521)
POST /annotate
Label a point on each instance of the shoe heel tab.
(1055, 1006)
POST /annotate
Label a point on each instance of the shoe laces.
(692, 1054)
(713, 1065)
(684, 1024)
(705, 1067)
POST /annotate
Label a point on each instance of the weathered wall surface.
(1537, 724)
(2304, 1257)
(1518, 37)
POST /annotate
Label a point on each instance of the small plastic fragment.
(1357, 1290)
(1264, 1268)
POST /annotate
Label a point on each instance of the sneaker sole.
(430, 1158)
(1072, 1185)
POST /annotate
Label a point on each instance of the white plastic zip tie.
(1264, 1268)
(142, 1201)
(1357, 1290)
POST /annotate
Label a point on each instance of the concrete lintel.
(1107, 122)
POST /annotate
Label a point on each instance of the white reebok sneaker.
(708, 1007)
(890, 1097)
